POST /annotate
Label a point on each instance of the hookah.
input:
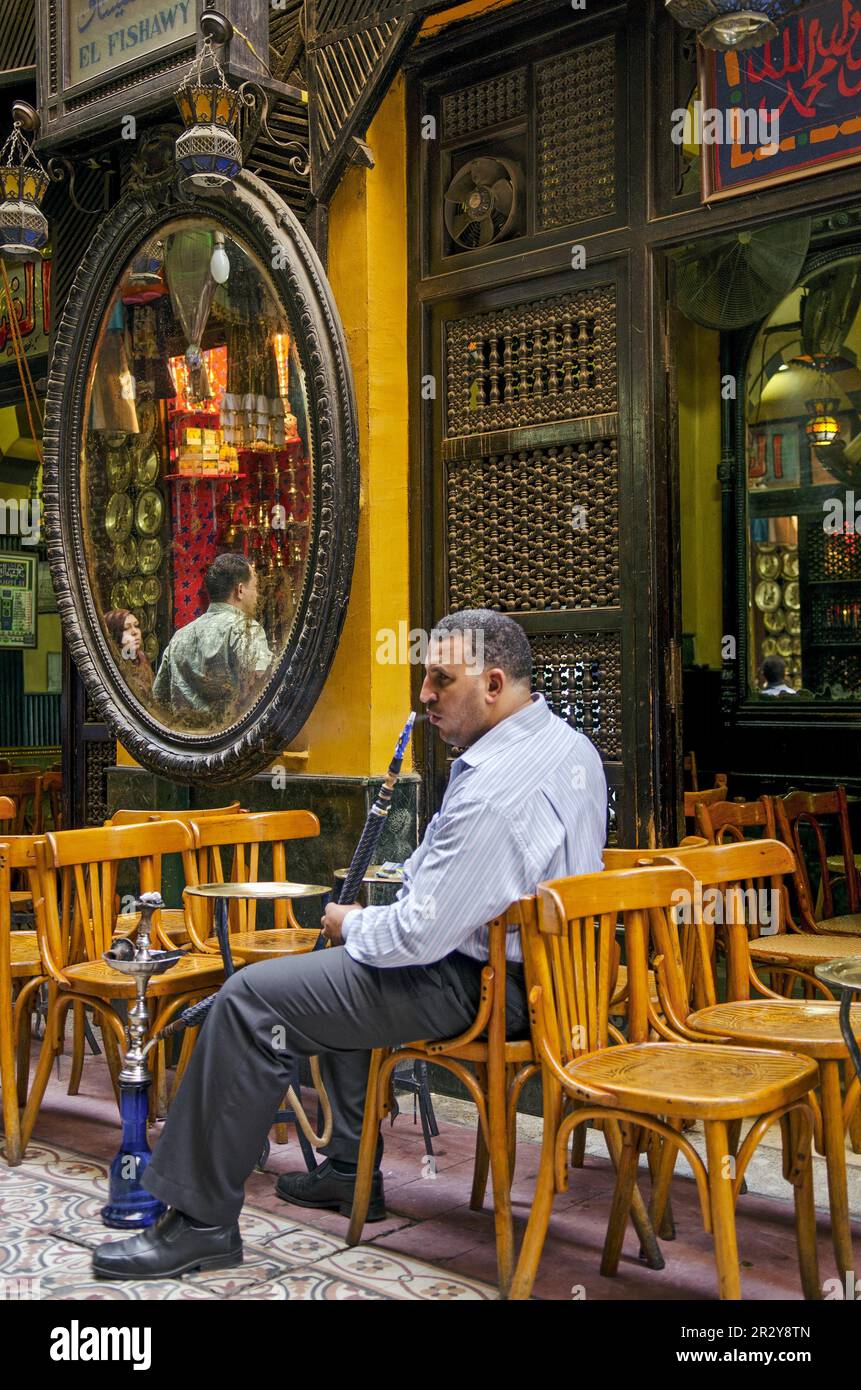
(129, 1205)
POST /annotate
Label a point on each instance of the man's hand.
(332, 919)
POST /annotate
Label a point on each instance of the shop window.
(802, 444)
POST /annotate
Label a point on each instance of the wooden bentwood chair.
(812, 813)
(647, 1087)
(799, 1026)
(502, 1066)
(77, 871)
(21, 974)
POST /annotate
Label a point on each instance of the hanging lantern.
(23, 182)
(823, 427)
(208, 152)
(732, 25)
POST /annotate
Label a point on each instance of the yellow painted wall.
(698, 376)
(364, 703)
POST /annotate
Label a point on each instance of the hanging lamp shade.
(732, 25)
(822, 426)
(23, 183)
(208, 152)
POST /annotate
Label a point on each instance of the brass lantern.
(822, 427)
(208, 152)
(23, 182)
(732, 25)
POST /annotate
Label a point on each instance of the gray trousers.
(321, 1003)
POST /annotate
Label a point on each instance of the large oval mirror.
(202, 479)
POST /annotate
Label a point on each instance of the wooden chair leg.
(639, 1216)
(855, 1117)
(542, 1202)
(500, 1171)
(23, 1046)
(54, 1018)
(626, 1181)
(367, 1150)
(722, 1209)
(833, 1143)
(188, 1040)
(480, 1171)
(77, 1049)
(660, 1213)
(481, 1165)
(9, 1083)
(578, 1146)
(805, 1214)
(112, 1057)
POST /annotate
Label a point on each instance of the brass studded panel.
(580, 676)
(535, 530)
(576, 105)
(550, 359)
(475, 108)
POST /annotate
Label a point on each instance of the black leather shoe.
(330, 1190)
(171, 1247)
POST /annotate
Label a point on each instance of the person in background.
(774, 675)
(216, 661)
(125, 633)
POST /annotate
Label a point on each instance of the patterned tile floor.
(49, 1224)
(431, 1245)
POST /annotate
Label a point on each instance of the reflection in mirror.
(196, 477)
(803, 452)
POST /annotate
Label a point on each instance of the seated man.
(215, 662)
(526, 800)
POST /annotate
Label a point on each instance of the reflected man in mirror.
(220, 658)
(774, 675)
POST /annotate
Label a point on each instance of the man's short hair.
(774, 670)
(224, 574)
(502, 642)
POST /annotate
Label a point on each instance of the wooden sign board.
(810, 75)
(98, 61)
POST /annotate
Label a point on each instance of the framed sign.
(98, 61)
(786, 110)
(18, 578)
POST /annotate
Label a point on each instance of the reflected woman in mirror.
(125, 633)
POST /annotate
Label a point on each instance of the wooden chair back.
(740, 890)
(725, 821)
(131, 817)
(78, 872)
(24, 789)
(710, 797)
(52, 800)
(572, 956)
(809, 816)
(227, 850)
(689, 764)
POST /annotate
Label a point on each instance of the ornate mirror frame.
(248, 745)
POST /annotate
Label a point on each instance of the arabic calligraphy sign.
(810, 75)
(103, 34)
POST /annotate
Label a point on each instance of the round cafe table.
(844, 975)
(410, 1076)
(264, 945)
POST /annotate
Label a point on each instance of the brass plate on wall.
(768, 566)
(792, 595)
(118, 517)
(146, 469)
(126, 556)
(149, 513)
(774, 622)
(767, 596)
(149, 556)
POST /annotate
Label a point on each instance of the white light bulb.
(219, 266)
